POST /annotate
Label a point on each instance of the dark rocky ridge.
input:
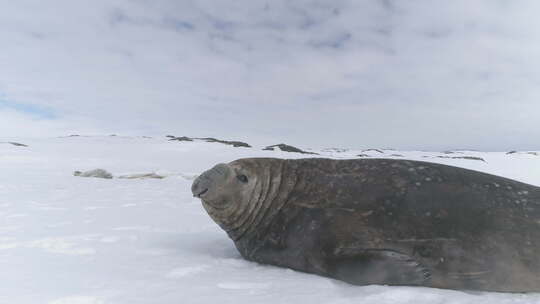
(14, 143)
(287, 148)
(463, 157)
(17, 144)
(210, 139)
(519, 152)
(375, 150)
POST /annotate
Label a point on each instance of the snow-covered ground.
(67, 239)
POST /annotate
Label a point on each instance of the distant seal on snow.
(99, 173)
(142, 176)
(380, 221)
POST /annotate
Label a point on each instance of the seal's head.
(224, 185)
(238, 194)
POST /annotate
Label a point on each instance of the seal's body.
(380, 221)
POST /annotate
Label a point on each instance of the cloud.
(405, 74)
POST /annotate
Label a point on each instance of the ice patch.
(243, 285)
(90, 208)
(404, 295)
(188, 176)
(133, 228)
(109, 239)
(185, 271)
(9, 228)
(234, 262)
(8, 246)
(16, 215)
(77, 300)
(51, 208)
(60, 246)
(144, 229)
(154, 252)
(61, 224)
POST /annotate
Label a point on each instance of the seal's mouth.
(201, 193)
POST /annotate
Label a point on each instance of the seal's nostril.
(202, 193)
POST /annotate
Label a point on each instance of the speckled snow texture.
(71, 240)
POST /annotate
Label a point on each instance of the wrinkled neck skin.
(247, 218)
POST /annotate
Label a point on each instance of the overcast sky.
(409, 74)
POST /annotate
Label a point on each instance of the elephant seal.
(99, 173)
(380, 221)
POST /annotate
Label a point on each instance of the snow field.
(67, 239)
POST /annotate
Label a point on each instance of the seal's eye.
(242, 178)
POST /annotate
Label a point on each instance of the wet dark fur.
(399, 222)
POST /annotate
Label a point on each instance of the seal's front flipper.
(374, 266)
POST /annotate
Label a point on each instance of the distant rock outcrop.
(14, 143)
(337, 150)
(210, 139)
(452, 152)
(226, 142)
(287, 148)
(519, 152)
(17, 144)
(463, 157)
(374, 150)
